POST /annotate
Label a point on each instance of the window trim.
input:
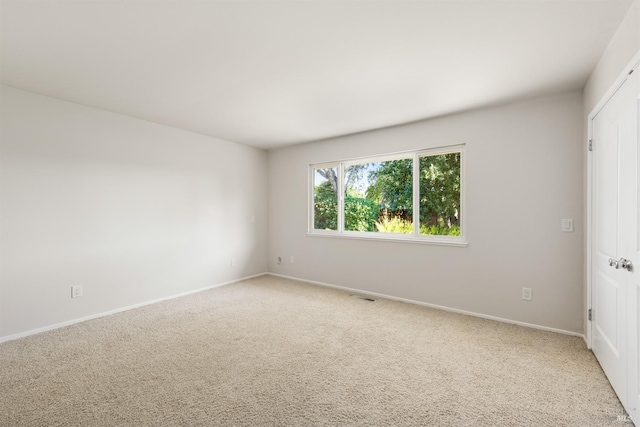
(416, 237)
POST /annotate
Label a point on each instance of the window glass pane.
(325, 198)
(379, 197)
(440, 194)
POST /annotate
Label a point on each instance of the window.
(415, 196)
(379, 196)
(440, 194)
(325, 198)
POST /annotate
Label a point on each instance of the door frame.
(633, 64)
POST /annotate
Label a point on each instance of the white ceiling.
(272, 73)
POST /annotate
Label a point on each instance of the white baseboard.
(119, 310)
(439, 307)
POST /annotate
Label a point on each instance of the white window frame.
(416, 237)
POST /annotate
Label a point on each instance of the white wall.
(132, 211)
(623, 46)
(621, 50)
(523, 175)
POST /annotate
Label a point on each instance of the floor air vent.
(363, 297)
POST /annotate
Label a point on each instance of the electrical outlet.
(279, 260)
(233, 262)
(291, 259)
(76, 291)
(567, 225)
(527, 294)
(253, 218)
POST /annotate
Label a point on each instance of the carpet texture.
(274, 352)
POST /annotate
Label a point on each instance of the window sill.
(396, 238)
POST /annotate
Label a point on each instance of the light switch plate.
(567, 225)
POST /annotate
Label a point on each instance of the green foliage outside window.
(325, 207)
(440, 194)
(360, 214)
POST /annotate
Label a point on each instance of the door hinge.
(590, 314)
(591, 145)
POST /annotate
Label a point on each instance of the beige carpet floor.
(273, 352)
